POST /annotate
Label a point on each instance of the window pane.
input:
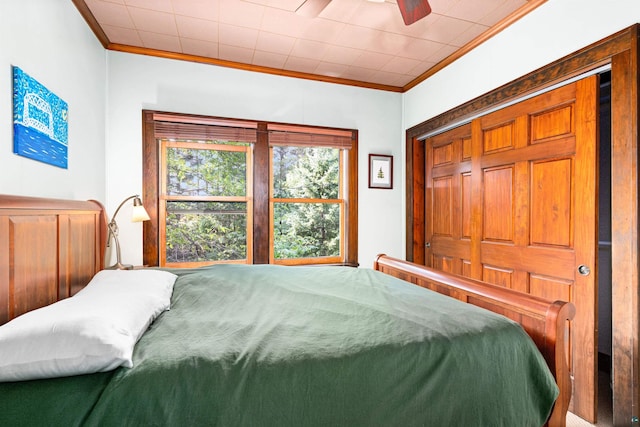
(206, 231)
(306, 230)
(300, 172)
(193, 172)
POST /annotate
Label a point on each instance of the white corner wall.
(50, 41)
(141, 82)
(553, 30)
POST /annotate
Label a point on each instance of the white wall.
(141, 82)
(553, 30)
(49, 40)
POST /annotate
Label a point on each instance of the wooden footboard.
(545, 321)
(49, 250)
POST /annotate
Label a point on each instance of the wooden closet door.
(511, 199)
(448, 200)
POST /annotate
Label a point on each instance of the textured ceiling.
(356, 42)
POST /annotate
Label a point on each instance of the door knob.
(584, 270)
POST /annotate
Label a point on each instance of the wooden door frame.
(620, 50)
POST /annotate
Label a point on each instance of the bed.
(302, 346)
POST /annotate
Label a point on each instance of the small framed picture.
(380, 171)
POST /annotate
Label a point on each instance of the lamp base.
(120, 266)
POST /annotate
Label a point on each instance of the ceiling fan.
(411, 10)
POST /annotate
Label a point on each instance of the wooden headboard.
(49, 250)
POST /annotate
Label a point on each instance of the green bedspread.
(305, 346)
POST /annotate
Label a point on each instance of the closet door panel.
(513, 203)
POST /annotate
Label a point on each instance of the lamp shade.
(138, 212)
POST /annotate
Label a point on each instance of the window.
(308, 197)
(204, 201)
(226, 190)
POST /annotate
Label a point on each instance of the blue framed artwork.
(40, 127)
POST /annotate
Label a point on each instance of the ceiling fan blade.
(312, 8)
(413, 10)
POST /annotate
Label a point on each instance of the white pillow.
(93, 331)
